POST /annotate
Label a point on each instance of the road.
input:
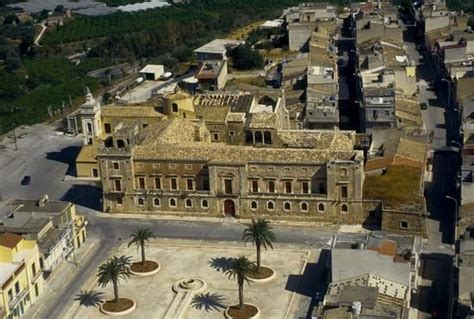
(437, 258)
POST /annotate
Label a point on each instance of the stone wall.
(404, 223)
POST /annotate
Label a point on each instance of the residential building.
(322, 90)
(54, 225)
(371, 276)
(21, 279)
(212, 74)
(216, 49)
(465, 275)
(303, 20)
(379, 104)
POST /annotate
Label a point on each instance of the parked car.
(423, 106)
(26, 180)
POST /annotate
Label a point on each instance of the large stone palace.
(223, 154)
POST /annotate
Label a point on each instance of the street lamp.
(456, 215)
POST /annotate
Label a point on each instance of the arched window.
(156, 202)
(109, 142)
(287, 206)
(253, 205)
(344, 208)
(267, 137)
(304, 207)
(270, 205)
(141, 201)
(120, 144)
(321, 207)
(204, 203)
(172, 202)
(188, 203)
(258, 137)
(248, 137)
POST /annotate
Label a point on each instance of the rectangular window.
(228, 186)
(36, 290)
(10, 295)
(157, 183)
(215, 136)
(174, 183)
(271, 186)
(288, 187)
(141, 182)
(344, 191)
(17, 287)
(118, 185)
(255, 186)
(305, 187)
(343, 171)
(172, 166)
(190, 184)
(188, 166)
(107, 128)
(119, 201)
(33, 269)
(115, 165)
(205, 184)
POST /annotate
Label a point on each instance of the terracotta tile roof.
(10, 240)
(222, 153)
(130, 111)
(263, 120)
(322, 140)
(88, 153)
(212, 113)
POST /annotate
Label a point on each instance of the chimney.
(43, 200)
(356, 308)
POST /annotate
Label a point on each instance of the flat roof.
(153, 68)
(350, 263)
(218, 46)
(32, 206)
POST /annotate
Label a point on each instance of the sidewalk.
(285, 223)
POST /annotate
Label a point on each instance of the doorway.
(229, 208)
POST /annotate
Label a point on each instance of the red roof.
(10, 240)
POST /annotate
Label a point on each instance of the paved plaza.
(279, 298)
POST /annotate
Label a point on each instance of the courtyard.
(288, 295)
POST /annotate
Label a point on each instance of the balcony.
(35, 277)
(12, 304)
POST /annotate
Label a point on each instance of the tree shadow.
(208, 302)
(221, 264)
(90, 298)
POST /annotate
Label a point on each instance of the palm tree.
(240, 268)
(141, 237)
(259, 233)
(114, 270)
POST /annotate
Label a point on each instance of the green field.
(26, 95)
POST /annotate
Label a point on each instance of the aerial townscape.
(183, 159)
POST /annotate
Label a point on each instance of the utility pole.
(14, 138)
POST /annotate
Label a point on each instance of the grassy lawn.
(259, 81)
(399, 186)
(242, 33)
(277, 53)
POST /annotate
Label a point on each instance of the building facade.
(20, 275)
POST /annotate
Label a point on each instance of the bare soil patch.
(263, 273)
(236, 313)
(121, 305)
(147, 266)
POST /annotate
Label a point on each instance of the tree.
(240, 269)
(141, 237)
(244, 58)
(259, 233)
(114, 270)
